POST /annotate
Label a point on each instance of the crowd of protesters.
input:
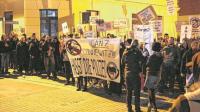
(161, 69)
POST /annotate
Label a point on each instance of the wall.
(112, 9)
(17, 6)
(189, 7)
(32, 14)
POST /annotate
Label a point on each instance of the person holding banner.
(132, 59)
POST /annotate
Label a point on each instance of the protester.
(67, 67)
(49, 57)
(131, 58)
(34, 55)
(171, 60)
(153, 77)
(22, 56)
(5, 54)
(13, 41)
(57, 55)
(186, 58)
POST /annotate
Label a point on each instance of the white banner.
(90, 34)
(144, 33)
(121, 23)
(170, 7)
(95, 58)
(186, 32)
(157, 26)
(93, 20)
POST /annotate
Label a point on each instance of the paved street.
(33, 94)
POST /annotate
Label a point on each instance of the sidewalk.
(33, 94)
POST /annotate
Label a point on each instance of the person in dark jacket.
(132, 60)
(171, 56)
(181, 79)
(49, 60)
(34, 55)
(13, 62)
(57, 55)
(42, 67)
(186, 58)
(22, 55)
(5, 54)
(153, 77)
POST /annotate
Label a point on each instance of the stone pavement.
(33, 94)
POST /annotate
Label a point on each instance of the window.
(8, 18)
(49, 22)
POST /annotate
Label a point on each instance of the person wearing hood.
(153, 67)
(132, 60)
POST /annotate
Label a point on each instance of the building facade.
(46, 16)
(43, 17)
(189, 13)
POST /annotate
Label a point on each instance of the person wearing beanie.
(153, 68)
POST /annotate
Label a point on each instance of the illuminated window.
(49, 22)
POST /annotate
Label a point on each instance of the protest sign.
(186, 32)
(120, 23)
(179, 24)
(195, 22)
(93, 20)
(89, 34)
(170, 7)
(144, 33)
(95, 58)
(106, 26)
(146, 15)
(157, 26)
(65, 28)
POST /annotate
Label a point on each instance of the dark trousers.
(13, 61)
(49, 64)
(133, 85)
(68, 71)
(168, 76)
(182, 81)
(34, 64)
(22, 65)
(152, 99)
(82, 82)
(57, 62)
